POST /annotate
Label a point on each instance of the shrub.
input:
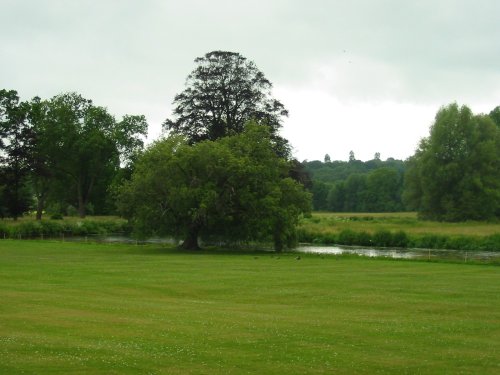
(382, 238)
(429, 241)
(50, 228)
(4, 230)
(400, 239)
(347, 237)
(491, 243)
(364, 239)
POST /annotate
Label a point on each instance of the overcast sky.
(365, 75)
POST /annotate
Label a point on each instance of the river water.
(427, 254)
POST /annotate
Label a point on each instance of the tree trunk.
(278, 237)
(39, 206)
(191, 241)
(81, 206)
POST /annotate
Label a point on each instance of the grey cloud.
(135, 55)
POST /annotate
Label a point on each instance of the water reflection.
(402, 253)
(335, 250)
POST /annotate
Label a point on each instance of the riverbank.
(401, 230)
(112, 308)
(27, 227)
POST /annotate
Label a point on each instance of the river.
(427, 254)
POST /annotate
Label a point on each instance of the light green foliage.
(235, 188)
(122, 309)
(455, 173)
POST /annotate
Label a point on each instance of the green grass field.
(70, 308)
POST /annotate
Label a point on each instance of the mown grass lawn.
(69, 308)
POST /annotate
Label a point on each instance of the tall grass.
(398, 230)
(29, 228)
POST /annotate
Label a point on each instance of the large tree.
(455, 173)
(222, 93)
(495, 115)
(16, 137)
(87, 143)
(233, 188)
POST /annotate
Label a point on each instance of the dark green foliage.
(364, 239)
(319, 192)
(62, 151)
(455, 173)
(356, 186)
(495, 115)
(223, 93)
(56, 229)
(400, 239)
(382, 238)
(347, 237)
(16, 139)
(235, 188)
(383, 191)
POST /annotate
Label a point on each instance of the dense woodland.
(357, 186)
(68, 156)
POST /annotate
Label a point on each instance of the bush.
(429, 241)
(347, 237)
(364, 239)
(382, 238)
(400, 239)
(50, 228)
(4, 230)
(33, 229)
(491, 243)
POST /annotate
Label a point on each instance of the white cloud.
(321, 123)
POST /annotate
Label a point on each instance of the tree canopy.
(222, 93)
(357, 186)
(16, 141)
(455, 173)
(234, 188)
(66, 147)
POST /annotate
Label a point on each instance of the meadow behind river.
(398, 229)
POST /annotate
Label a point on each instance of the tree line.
(63, 154)
(224, 172)
(357, 186)
(222, 169)
(453, 176)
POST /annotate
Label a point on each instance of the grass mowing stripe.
(88, 308)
